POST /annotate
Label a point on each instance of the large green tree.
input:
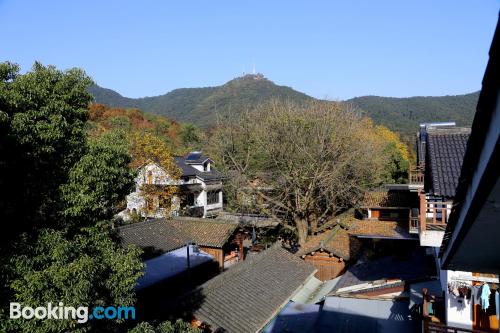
(43, 115)
(58, 193)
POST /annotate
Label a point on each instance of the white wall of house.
(201, 167)
(158, 176)
(154, 174)
(431, 238)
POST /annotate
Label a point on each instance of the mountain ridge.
(201, 105)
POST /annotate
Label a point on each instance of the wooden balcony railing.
(416, 175)
(433, 215)
(436, 216)
(413, 219)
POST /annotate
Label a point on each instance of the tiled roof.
(205, 232)
(166, 235)
(413, 266)
(247, 296)
(155, 234)
(382, 229)
(189, 170)
(336, 242)
(380, 199)
(446, 149)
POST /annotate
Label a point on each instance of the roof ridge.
(334, 233)
(138, 224)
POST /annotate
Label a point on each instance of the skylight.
(193, 156)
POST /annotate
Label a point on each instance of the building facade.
(198, 190)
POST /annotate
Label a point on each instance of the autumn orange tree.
(396, 153)
(148, 148)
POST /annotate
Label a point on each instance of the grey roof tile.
(446, 149)
(166, 235)
(247, 296)
(156, 235)
(189, 170)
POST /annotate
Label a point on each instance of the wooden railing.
(416, 175)
(439, 215)
(433, 215)
(413, 219)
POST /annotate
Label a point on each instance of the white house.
(199, 190)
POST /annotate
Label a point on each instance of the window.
(190, 199)
(206, 166)
(150, 177)
(150, 204)
(165, 202)
(212, 197)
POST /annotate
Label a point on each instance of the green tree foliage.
(165, 327)
(396, 154)
(42, 137)
(87, 269)
(58, 189)
(99, 181)
(190, 135)
(403, 115)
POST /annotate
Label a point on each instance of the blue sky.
(327, 49)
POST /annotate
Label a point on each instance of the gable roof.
(189, 170)
(246, 297)
(336, 242)
(169, 234)
(446, 149)
(389, 199)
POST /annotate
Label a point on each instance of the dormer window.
(206, 166)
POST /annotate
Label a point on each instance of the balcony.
(416, 175)
(436, 216)
(429, 222)
(416, 178)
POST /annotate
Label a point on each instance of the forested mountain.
(405, 114)
(200, 105)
